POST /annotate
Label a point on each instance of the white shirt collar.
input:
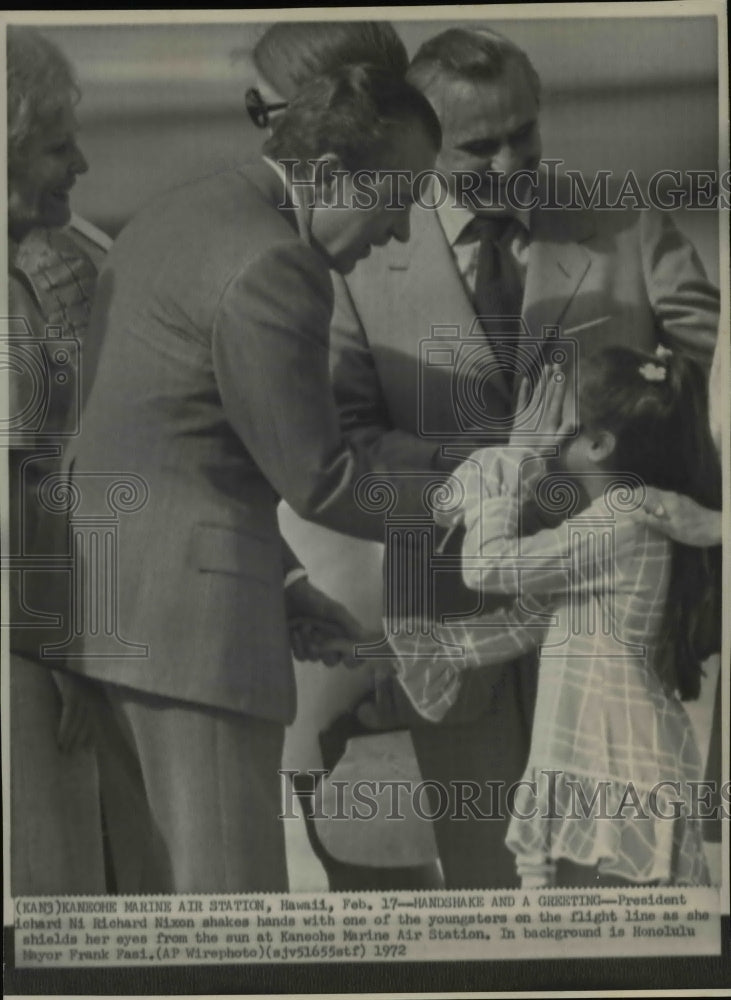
(455, 218)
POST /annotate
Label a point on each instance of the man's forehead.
(461, 102)
(59, 118)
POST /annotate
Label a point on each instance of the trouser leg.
(56, 833)
(212, 794)
(464, 756)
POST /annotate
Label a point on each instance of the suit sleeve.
(362, 409)
(685, 303)
(270, 354)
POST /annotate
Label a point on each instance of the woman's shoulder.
(60, 275)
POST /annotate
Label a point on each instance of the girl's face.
(583, 456)
(577, 452)
(39, 188)
(576, 455)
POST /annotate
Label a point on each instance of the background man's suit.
(212, 388)
(606, 278)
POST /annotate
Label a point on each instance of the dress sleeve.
(501, 551)
(428, 666)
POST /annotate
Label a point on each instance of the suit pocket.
(216, 549)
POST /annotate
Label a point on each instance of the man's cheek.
(533, 155)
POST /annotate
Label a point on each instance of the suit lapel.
(432, 287)
(557, 265)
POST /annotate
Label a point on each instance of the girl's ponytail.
(693, 610)
(656, 405)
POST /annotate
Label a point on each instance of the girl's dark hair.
(657, 408)
(290, 53)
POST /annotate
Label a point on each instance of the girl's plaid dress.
(613, 758)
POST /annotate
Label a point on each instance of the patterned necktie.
(498, 287)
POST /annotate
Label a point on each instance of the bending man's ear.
(602, 446)
(328, 169)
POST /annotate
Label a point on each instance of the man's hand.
(320, 628)
(680, 518)
(316, 640)
(548, 401)
(76, 727)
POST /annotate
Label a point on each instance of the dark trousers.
(461, 754)
(485, 736)
(571, 875)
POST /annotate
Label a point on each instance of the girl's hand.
(680, 518)
(548, 404)
(448, 519)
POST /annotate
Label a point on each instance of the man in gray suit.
(211, 401)
(603, 277)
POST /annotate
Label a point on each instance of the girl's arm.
(500, 556)
(429, 666)
(494, 494)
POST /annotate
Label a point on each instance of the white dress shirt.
(465, 244)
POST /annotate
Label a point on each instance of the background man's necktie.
(498, 287)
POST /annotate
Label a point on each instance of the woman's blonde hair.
(40, 79)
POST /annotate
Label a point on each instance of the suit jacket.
(603, 277)
(626, 277)
(212, 398)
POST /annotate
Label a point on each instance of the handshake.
(321, 629)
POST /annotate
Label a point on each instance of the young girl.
(612, 606)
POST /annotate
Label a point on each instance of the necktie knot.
(489, 229)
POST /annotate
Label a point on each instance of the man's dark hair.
(350, 112)
(290, 53)
(468, 54)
